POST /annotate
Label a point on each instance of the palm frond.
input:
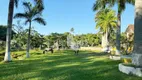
(16, 2)
(40, 20)
(131, 2)
(99, 4)
(36, 11)
(27, 5)
(20, 15)
(32, 13)
(26, 21)
(105, 19)
(39, 4)
(111, 3)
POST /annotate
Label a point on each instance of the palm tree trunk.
(9, 29)
(103, 41)
(137, 52)
(107, 43)
(118, 34)
(28, 41)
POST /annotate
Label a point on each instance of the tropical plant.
(105, 21)
(101, 4)
(32, 14)
(9, 28)
(36, 39)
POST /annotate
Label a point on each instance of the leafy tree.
(84, 39)
(3, 29)
(31, 14)
(101, 4)
(105, 21)
(88, 39)
(3, 33)
(124, 43)
(36, 39)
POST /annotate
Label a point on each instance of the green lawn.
(63, 66)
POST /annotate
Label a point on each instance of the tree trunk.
(57, 44)
(107, 43)
(28, 41)
(9, 29)
(103, 41)
(118, 34)
(137, 52)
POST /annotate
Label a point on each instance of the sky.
(62, 15)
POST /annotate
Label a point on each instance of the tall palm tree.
(137, 52)
(31, 14)
(121, 7)
(105, 20)
(9, 28)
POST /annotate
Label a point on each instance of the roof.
(130, 28)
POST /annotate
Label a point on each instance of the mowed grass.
(63, 65)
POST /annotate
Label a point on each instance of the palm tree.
(9, 28)
(72, 30)
(121, 7)
(31, 14)
(39, 4)
(100, 4)
(137, 52)
(105, 20)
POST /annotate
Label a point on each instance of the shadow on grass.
(65, 66)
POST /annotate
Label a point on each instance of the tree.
(20, 39)
(137, 52)
(121, 7)
(36, 39)
(3, 32)
(3, 29)
(105, 20)
(9, 28)
(31, 14)
(72, 30)
(18, 27)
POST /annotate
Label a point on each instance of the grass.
(1, 55)
(65, 65)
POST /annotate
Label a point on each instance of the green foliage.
(121, 5)
(3, 30)
(84, 39)
(36, 39)
(31, 14)
(102, 4)
(105, 20)
(127, 43)
(20, 39)
(88, 39)
(59, 38)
